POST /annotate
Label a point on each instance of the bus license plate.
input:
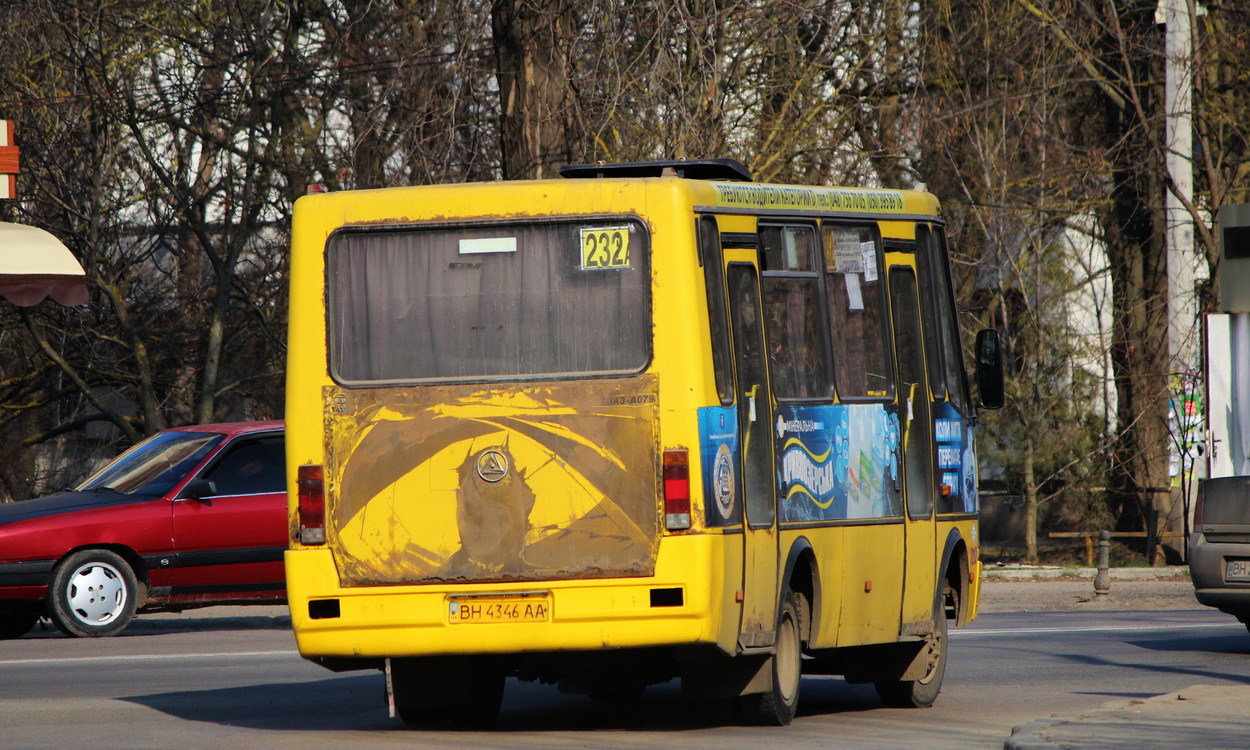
(1238, 570)
(472, 611)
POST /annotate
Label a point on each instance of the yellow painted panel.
(828, 543)
(898, 230)
(872, 592)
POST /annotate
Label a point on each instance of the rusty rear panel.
(466, 483)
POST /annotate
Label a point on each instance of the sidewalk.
(1202, 717)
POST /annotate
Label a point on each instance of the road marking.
(144, 657)
(1101, 628)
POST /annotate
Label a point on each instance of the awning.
(34, 265)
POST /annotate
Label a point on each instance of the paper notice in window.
(854, 295)
(847, 255)
(488, 245)
(869, 252)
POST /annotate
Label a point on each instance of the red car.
(189, 517)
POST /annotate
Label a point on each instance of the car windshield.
(154, 466)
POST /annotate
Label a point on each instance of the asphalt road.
(197, 681)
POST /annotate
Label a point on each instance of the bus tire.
(429, 694)
(776, 706)
(923, 692)
(93, 593)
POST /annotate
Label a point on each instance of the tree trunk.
(538, 122)
(1137, 252)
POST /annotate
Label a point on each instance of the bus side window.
(713, 277)
(924, 252)
(914, 395)
(793, 325)
(857, 323)
(946, 369)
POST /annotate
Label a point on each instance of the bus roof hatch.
(692, 169)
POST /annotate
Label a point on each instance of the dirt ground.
(1065, 594)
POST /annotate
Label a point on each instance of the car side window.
(250, 468)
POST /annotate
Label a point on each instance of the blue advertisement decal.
(718, 438)
(956, 461)
(836, 462)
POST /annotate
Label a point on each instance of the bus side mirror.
(989, 354)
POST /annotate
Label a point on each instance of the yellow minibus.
(641, 422)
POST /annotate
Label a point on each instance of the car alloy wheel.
(92, 594)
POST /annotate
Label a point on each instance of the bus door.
(916, 426)
(760, 574)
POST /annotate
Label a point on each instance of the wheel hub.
(96, 593)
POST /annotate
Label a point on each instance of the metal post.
(1102, 579)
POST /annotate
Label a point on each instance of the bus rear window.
(550, 299)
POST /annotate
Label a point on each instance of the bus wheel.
(92, 593)
(923, 692)
(776, 706)
(443, 693)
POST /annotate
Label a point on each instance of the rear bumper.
(331, 621)
(1207, 564)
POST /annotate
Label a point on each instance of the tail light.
(1200, 498)
(676, 490)
(312, 504)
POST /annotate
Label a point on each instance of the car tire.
(777, 705)
(16, 620)
(92, 594)
(923, 692)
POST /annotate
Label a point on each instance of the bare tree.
(1021, 195)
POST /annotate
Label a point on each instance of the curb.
(1200, 717)
(1039, 572)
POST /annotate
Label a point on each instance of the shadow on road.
(1238, 645)
(179, 623)
(357, 702)
(349, 702)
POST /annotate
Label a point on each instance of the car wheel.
(923, 692)
(16, 620)
(92, 594)
(777, 705)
